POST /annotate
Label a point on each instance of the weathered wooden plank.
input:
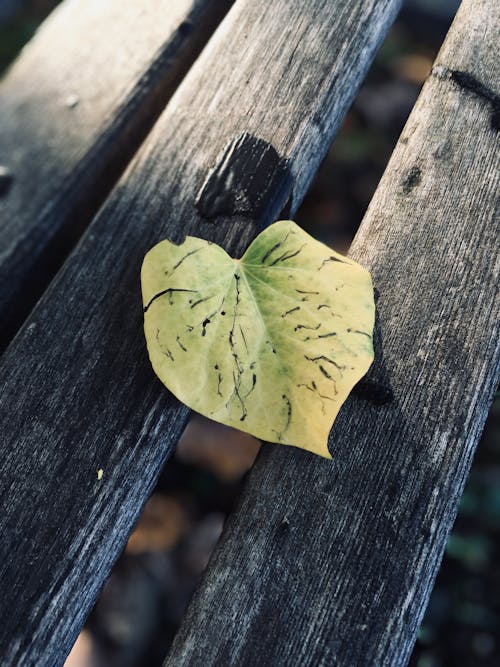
(78, 392)
(333, 563)
(73, 111)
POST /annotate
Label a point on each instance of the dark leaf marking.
(237, 381)
(325, 335)
(254, 382)
(279, 434)
(361, 333)
(270, 251)
(288, 411)
(178, 340)
(304, 326)
(314, 389)
(292, 310)
(326, 374)
(244, 339)
(168, 291)
(330, 259)
(325, 305)
(239, 369)
(284, 256)
(322, 357)
(307, 294)
(176, 266)
(163, 350)
(204, 325)
(235, 312)
(201, 301)
(276, 246)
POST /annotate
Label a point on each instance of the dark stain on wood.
(283, 529)
(411, 179)
(248, 177)
(469, 83)
(374, 392)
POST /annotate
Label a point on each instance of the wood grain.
(73, 110)
(333, 563)
(78, 391)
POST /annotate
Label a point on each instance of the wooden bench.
(322, 563)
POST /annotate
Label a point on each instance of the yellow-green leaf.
(272, 343)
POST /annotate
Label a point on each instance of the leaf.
(271, 344)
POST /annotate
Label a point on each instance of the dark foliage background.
(144, 599)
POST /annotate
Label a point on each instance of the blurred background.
(141, 605)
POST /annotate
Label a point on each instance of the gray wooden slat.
(332, 563)
(73, 110)
(78, 392)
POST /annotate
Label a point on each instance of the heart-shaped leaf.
(271, 343)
